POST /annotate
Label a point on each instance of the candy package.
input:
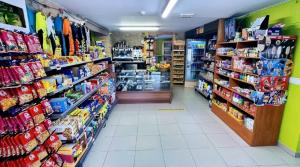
(28, 141)
(27, 71)
(8, 39)
(37, 44)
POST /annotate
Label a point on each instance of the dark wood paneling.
(144, 97)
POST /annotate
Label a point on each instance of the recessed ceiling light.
(187, 15)
(139, 28)
(168, 8)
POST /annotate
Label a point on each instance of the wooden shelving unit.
(267, 118)
(177, 70)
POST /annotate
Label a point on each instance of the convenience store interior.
(160, 83)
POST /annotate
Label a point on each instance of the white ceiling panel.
(115, 13)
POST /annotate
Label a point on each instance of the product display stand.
(249, 94)
(177, 68)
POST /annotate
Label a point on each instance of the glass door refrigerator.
(195, 50)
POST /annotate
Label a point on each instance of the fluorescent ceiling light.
(168, 8)
(139, 28)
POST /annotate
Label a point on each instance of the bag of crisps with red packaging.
(22, 47)
(24, 94)
(41, 152)
(39, 88)
(30, 43)
(8, 39)
(32, 160)
(53, 143)
(36, 112)
(28, 141)
(26, 120)
(7, 100)
(40, 133)
(47, 108)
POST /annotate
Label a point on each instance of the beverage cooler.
(195, 49)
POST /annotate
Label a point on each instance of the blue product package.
(59, 105)
(69, 74)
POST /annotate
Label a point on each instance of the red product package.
(47, 123)
(21, 44)
(266, 84)
(47, 108)
(30, 43)
(53, 143)
(24, 94)
(37, 44)
(280, 83)
(2, 128)
(28, 141)
(36, 112)
(7, 100)
(39, 88)
(2, 46)
(19, 72)
(49, 163)
(27, 71)
(37, 70)
(26, 120)
(32, 160)
(57, 159)
(9, 41)
(40, 133)
(41, 152)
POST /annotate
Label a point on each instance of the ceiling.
(115, 13)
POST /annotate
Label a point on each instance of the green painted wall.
(288, 13)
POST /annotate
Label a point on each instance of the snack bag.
(37, 114)
(27, 71)
(53, 143)
(30, 43)
(26, 120)
(19, 73)
(7, 100)
(24, 94)
(57, 159)
(41, 70)
(41, 152)
(28, 141)
(49, 163)
(47, 107)
(39, 88)
(32, 160)
(8, 39)
(21, 44)
(2, 46)
(40, 133)
(37, 44)
(47, 123)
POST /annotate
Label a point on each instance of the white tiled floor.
(141, 135)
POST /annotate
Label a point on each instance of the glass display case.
(142, 80)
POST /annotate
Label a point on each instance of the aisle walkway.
(145, 135)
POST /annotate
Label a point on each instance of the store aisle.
(182, 134)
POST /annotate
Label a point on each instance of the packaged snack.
(8, 39)
(57, 159)
(21, 44)
(47, 107)
(53, 143)
(7, 100)
(24, 94)
(49, 163)
(35, 67)
(40, 133)
(28, 141)
(41, 152)
(19, 73)
(26, 120)
(47, 123)
(59, 105)
(32, 160)
(30, 43)
(37, 114)
(41, 70)
(2, 46)
(49, 84)
(37, 44)
(27, 71)
(39, 87)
